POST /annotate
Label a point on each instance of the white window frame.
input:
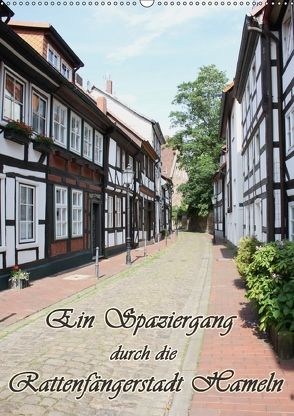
(68, 69)
(98, 148)
(291, 220)
(57, 66)
(62, 143)
(88, 142)
(77, 135)
(118, 212)
(35, 185)
(78, 208)
(110, 211)
(43, 97)
(287, 34)
(15, 76)
(2, 213)
(118, 156)
(61, 206)
(289, 128)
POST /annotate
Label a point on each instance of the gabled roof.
(51, 33)
(138, 140)
(154, 123)
(226, 105)
(5, 11)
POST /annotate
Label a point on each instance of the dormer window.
(53, 58)
(66, 70)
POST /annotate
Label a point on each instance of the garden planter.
(19, 284)
(16, 136)
(42, 147)
(283, 343)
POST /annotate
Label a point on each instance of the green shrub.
(246, 249)
(271, 285)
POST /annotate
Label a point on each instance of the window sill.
(25, 246)
(2, 249)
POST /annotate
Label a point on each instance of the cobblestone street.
(176, 279)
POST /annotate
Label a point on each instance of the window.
(88, 142)
(131, 162)
(61, 212)
(53, 58)
(123, 160)
(75, 133)
(98, 149)
(291, 222)
(77, 213)
(257, 147)
(39, 112)
(13, 105)
(117, 212)
(26, 218)
(137, 169)
(287, 31)
(2, 210)
(118, 159)
(66, 70)
(59, 123)
(290, 128)
(110, 212)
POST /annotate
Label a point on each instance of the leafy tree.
(198, 136)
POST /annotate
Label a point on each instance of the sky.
(147, 52)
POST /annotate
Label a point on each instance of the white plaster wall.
(26, 256)
(10, 242)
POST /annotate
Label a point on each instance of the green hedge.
(269, 274)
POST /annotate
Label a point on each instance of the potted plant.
(18, 132)
(18, 278)
(42, 143)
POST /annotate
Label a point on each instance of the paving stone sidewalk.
(176, 279)
(244, 350)
(18, 304)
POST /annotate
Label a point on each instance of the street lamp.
(128, 177)
(213, 200)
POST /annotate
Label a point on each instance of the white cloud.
(151, 25)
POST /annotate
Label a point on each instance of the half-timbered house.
(148, 130)
(229, 180)
(51, 199)
(264, 88)
(125, 148)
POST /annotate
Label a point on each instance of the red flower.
(15, 268)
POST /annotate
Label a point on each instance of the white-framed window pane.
(77, 213)
(118, 212)
(13, 99)
(26, 215)
(98, 148)
(59, 123)
(61, 212)
(287, 34)
(75, 133)
(110, 212)
(88, 141)
(118, 159)
(39, 110)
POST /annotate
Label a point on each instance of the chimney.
(102, 104)
(109, 86)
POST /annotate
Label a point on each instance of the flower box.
(18, 132)
(16, 136)
(19, 279)
(19, 284)
(42, 147)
